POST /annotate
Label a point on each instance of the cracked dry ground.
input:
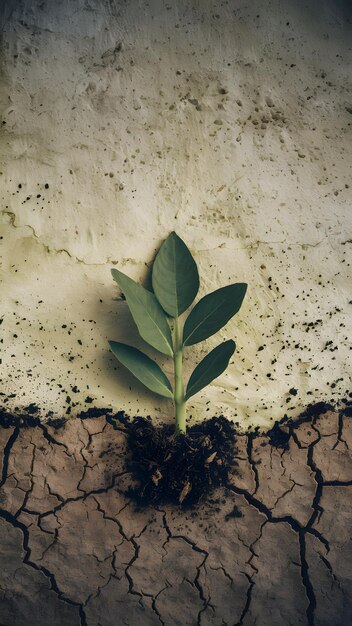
(273, 548)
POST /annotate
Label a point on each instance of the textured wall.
(229, 122)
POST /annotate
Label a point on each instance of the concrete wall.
(229, 122)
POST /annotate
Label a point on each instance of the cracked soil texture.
(272, 548)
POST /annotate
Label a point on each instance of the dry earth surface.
(272, 548)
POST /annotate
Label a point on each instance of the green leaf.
(210, 367)
(212, 312)
(143, 368)
(175, 277)
(146, 311)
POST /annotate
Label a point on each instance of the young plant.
(175, 282)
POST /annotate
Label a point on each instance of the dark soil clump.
(93, 412)
(278, 437)
(26, 418)
(318, 408)
(179, 469)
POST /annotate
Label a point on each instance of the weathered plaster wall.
(229, 122)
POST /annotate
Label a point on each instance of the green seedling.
(175, 283)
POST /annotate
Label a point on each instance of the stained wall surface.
(229, 122)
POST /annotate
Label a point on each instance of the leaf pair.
(152, 376)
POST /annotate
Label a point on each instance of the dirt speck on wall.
(227, 122)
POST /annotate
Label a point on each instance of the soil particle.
(319, 408)
(93, 412)
(56, 422)
(233, 514)
(278, 437)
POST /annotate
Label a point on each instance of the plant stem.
(179, 394)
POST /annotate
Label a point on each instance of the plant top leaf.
(143, 368)
(210, 367)
(212, 313)
(147, 313)
(175, 276)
